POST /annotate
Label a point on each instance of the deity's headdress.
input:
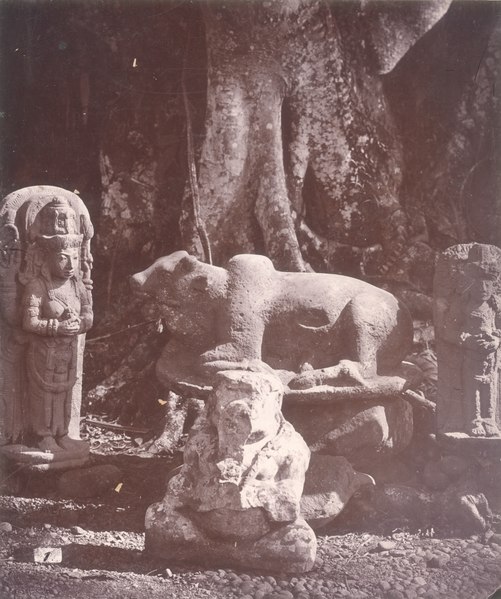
(58, 218)
(58, 226)
(58, 243)
(482, 263)
(58, 229)
(40, 219)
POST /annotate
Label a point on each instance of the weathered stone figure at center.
(237, 498)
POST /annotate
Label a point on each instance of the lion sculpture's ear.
(185, 265)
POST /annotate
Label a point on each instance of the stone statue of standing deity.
(56, 308)
(468, 330)
(480, 340)
(50, 311)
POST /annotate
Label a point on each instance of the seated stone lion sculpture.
(312, 329)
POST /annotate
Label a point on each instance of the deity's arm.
(280, 497)
(86, 314)
(451, 329)
(33, 322)
(496, 307)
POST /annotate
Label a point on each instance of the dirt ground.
(101, 541)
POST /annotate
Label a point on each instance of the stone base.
(330, 483)
(462, 508)
(360, 431)
(172, 534)
(465, 444)
(81, 483)
(40, 461)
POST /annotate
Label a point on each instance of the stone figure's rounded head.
(58, 217)
(61, 255)
(245, 408)
(484, 269)
(184, 292)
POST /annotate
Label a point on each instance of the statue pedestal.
(40, 461)
(172, 534)
(463, 444)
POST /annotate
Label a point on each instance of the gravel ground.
(101, 541)
(100, 561)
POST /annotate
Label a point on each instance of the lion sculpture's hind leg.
(367, 320)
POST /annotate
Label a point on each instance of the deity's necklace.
(64, 297)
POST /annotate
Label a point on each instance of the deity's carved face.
(63, 264)
(244, 421)
(482, 289)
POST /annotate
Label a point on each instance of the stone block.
(330, 483)
(89, 482)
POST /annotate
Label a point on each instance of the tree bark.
(468, 206)
(301, 158)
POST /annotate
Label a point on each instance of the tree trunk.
(301, 159)
(468, 206)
